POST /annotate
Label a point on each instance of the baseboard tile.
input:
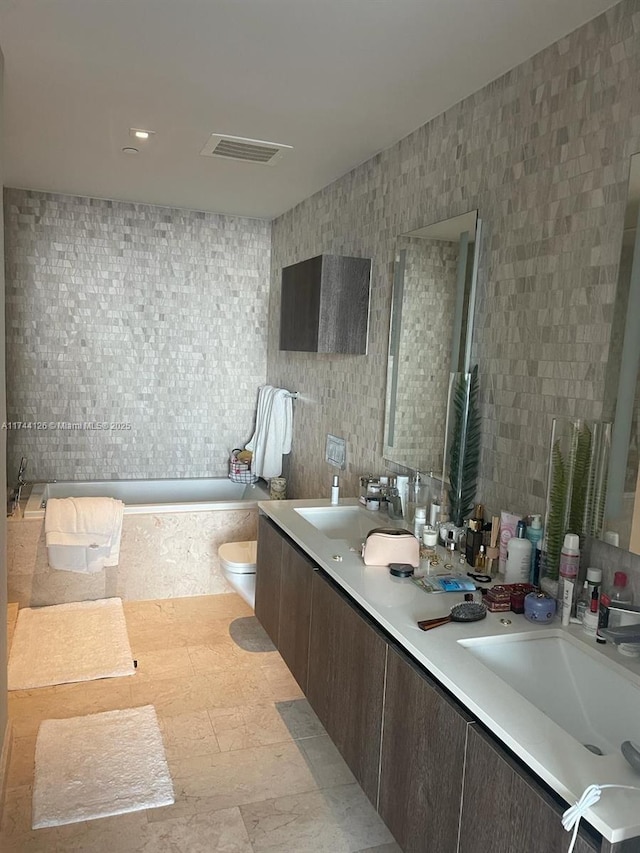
(5, 759)
(12, 618)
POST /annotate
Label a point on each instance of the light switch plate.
(336, 451)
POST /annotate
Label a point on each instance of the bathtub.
(171, 533)
(152, 496)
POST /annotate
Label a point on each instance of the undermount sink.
(590, 698)
(340, 522)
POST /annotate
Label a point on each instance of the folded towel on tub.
(83, 534)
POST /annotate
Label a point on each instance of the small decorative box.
(498, 599)
(508, 596)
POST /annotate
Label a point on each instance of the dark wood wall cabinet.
(325, 305)
(441, 783)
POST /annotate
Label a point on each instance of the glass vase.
(576, 487)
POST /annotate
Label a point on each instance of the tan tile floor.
(253, 769)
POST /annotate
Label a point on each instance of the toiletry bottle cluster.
(617, 594)
(520, 548)
(588, 603)
(422, 501)
(415, 500)
(505, 544)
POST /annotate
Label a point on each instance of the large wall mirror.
(430, 336)
(622, 513)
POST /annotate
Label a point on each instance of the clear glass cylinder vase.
(576, 486)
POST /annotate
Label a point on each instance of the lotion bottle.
(518, 557)
(570, 557)
(419, 522)
(569, 567)
(335, 490)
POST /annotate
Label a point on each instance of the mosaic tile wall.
(543, 154)
(424, 352)
(136, 315)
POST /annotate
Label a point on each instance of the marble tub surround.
(162, 555)
(253, 770)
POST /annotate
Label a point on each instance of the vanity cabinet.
(423, 751)
(296, 574)
(283, 596)
(505, 809)
(268, 574)
(438, 779)
(347, 657)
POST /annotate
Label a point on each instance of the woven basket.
(240, 472)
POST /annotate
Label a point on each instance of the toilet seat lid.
(239, 555)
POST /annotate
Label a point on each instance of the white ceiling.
(339, 80)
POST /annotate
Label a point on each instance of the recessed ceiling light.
(141, 133)
(130, 150)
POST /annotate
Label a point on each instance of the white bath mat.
(69, 642)
(99, 765)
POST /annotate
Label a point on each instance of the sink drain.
(593, 748)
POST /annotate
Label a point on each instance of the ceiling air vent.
(246, 150)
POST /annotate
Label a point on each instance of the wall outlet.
(336, 451)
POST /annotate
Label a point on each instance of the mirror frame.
(629, 369)
(460, 332)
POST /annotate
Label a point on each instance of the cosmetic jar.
(539, 607)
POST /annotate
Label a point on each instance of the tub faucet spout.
(13, 501)
(21, 470)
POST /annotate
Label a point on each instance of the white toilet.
(238, 561)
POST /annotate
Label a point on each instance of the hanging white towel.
(273, 433)
(83, 534)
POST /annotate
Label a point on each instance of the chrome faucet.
(14, 498)
(627, 624)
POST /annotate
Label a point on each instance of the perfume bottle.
(474, 537)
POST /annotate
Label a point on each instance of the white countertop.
(396, 605)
